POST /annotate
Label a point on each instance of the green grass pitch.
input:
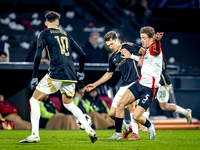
(78, 140)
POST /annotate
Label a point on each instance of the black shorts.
(145, 94)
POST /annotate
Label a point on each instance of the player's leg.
(112, 112)
(126, 99)
(67, 91)
(140, 126)
(134, 135)
(146, 97)
(163, 97)
(42, 90)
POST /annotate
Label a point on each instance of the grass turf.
(78, 140)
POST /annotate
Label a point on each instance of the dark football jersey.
(165, 78)
(59, 45)
(128, 68)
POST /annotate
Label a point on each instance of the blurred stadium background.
(22, 20)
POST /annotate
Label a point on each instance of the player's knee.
(120, 105)
(163, 107)
(111, 114)
(135, 117)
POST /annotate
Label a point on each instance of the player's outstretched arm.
(103, 79)
(158, 36)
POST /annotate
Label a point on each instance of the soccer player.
(163, 97)
(61, 75)
(146, 87)
(129, 70)
(163, 93)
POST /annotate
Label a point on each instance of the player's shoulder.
(112, 55)
(128, 45)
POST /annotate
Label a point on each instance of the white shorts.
(163, 94)
(119, 94)
(50, 86)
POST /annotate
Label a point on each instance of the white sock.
(35, 116)
(181, 110)
(125, 127)
(134, 124)
(79, 115)
(146, 114)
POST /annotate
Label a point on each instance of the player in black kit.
(61, 75)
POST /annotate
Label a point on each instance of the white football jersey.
(152, 66)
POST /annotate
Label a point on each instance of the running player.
(146, 87)
(163, 97)
(61, 75)
(129, 72)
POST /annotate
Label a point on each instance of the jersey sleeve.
(111, 65)
(135, 49)
(155, 49)
(75, 47)
(41, 43)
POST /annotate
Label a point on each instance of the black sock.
(147, 123)
(113, 118)
(118, 124)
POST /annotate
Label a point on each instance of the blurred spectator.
(52, 119)
(84, 105)
(99, 120)
(98, 105)
(138, 9)
(9, 112)
(3, 57)
(94, 54)
(4, 48)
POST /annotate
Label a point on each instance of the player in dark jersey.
(61, 75)
(129, 72)
(163, 96)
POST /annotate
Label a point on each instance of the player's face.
(145, 40)
(113, 44)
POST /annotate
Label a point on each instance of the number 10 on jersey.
(63, 43)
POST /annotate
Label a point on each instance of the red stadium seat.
(105, 98)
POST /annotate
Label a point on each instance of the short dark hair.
(110, 35)
(3, 53)
(52, 16)
(148, 30)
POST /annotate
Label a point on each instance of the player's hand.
(140, 62)
(126, 53)
(158, 36)
(89, 87)
(80, 75)
(34, 83)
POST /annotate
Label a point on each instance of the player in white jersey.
(146, 87)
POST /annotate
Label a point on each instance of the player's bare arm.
(103, 79)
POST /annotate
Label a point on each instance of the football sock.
(181, 110)
(125, 127)
(118, 124)
(146, 114)
(134, 124)
(35, 116)
(79, 115)
(147, 123)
